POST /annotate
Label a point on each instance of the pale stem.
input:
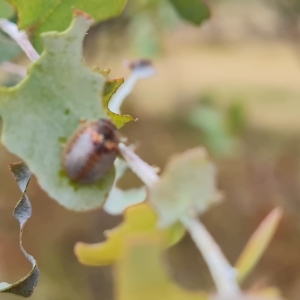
(139, 72)
(13, 69)
(223, 274)
(124, 90)
(20, 37)
(144, 171)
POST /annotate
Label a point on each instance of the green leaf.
(257, 244)
(8, 49)
(139, 218)
(6, 10)
(22, 213)
(43, 111)
(194, 11)
(111, 86)
(188, 182)
(33, 12)
(140, 273)
(57, 14)
(41, 16)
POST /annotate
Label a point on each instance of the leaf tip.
(80, 13)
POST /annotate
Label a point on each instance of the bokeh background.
(231, 85)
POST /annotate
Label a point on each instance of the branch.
(145, 172)
(222, 272)
(20, 37)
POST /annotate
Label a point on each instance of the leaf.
(6, 10)
(139, 218)
(140, 274)
(44, 110)
(118, 200)
(194, 11)
(40, 16)
(22, 213)
(111, 86)
(188, 182)
(8, 49)
(257, 244)
(33, 12)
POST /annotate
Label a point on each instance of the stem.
(222, 272)
(20, 37)
(140, 70)
(144, 171)
(124, 90)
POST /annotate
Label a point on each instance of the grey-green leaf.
(187, 184)
(25, 286)
(43, 111)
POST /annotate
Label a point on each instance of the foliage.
(139, 218)
(188, 182)
(42, 16)
(194, 11)
(257, 244)
(140, 275)
(43, 111)
(6, 11)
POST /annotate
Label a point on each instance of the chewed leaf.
(139, 218)
(45, 109)
(188, 182)
(110, 87)
(22, 213)
(257, 244)
(118, 200)
(140, 273)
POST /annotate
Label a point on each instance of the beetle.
(91, 151)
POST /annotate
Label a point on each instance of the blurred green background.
(231, 85)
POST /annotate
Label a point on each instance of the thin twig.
(13, 68)
(140, 69)
(222, 272)
(20, 37)
(144, 171)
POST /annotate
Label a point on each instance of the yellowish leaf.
(139, 218)
(258, 244)
(140, 273)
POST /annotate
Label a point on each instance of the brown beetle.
(91, 152)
